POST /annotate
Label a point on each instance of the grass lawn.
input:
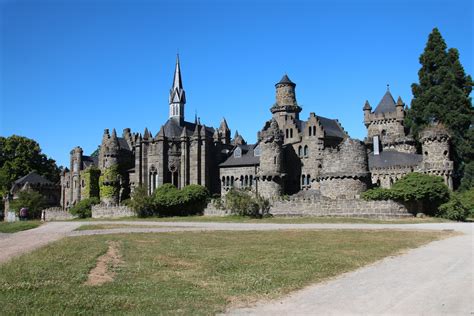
(113, 226)
(13, 227)
(279, 220)
(189, 273)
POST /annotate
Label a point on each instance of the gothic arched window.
(300, 151)
(306, 151)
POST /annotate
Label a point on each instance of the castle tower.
(436, 152)
(109, 182)
(76, 165)
(286, 107)
(271, 161)
(177, 97)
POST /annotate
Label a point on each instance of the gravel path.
(436, 279)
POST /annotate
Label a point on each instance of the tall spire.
(177, 97)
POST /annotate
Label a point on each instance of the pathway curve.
(436, 279)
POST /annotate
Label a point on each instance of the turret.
(271, 161)
(224, 132)
(400, 109)
(286, 106)
(109, 149)
(177, 98)
(367, 110)
(76, 165)
(109, 181)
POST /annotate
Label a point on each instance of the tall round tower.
(76, 164)
(109, 181)
(271, 161)
(285, 106)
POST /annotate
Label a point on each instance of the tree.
(442, 94)
(18, 157)
(32, 200)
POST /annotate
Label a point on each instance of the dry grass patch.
(104, 271)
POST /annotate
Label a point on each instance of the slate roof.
(386, 105)
(247, 159)
(330, 126)
(32, 178)
(285, 79)
(90, 161)
(173, 129)
(391, 158)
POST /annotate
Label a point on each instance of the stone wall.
(339, 208)
(102, 211)
(56, 214)
(342, 187)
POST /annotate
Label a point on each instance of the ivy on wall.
(108, 182)
(91, 183)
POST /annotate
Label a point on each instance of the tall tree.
(19, 156)
(442, 94)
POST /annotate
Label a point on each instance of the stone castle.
(291, 156)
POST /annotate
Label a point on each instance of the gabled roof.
(32, 178)
(247, 158)
(386, 105)
(172, 128)
(391, 158)
(330, 127)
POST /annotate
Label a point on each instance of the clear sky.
(70, 68)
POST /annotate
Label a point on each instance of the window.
(232, 181)
(300, 151)
(314, 130)
(308, 179)
(275, 160)
(83, 183)
(306, 151)
(287, 133)
(309, 130)
(291, 133)
(238, 152)
(257, 152)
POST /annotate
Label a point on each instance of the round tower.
(271, 161)
(345, 172)
(76, 164)
(286, 106)
(436, 152)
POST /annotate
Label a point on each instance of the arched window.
(291, 133)
(287, 133)
(309, 130)
(303, 177)
(314, 130)
(306, 151)
(275, 160)
(227, 180)
(300, 151)
(251, 180)
(241, 181)
(246, 181)
(232, 181)
(308, 179)
(223, 181)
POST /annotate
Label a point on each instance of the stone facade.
(104, 211)
(290, 156)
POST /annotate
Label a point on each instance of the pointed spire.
(146, 134)
(223, 126)
(177, 83)
(114, 133)
(367, 106)
(184, 133)
(400, 102)
(286, 80)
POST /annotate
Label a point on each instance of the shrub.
(243, 203)
(453, 210)
(377, 194)
(83, 209)
(421, 192)
(195, 198)
(168, 200)
(32, 200)
(141, 203)
(467, 199)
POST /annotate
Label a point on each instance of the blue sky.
(69, 69)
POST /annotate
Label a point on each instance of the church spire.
(177, 97)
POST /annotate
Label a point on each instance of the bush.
(168, 200)
(453, 210)
(243, 203)
(141, 203)
(377, 194)
(83, 209)
(467, 199)
(195, 198)
(421, 192)
(32, 200)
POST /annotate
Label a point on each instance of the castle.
(291, 156)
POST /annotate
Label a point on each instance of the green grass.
(277, 220)
(189, 273)
(14, 227)
(113, 226)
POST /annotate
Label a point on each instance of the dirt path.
(436, 279)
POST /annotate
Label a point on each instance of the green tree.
(19, 156)
(32, 200)
(442, 94)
